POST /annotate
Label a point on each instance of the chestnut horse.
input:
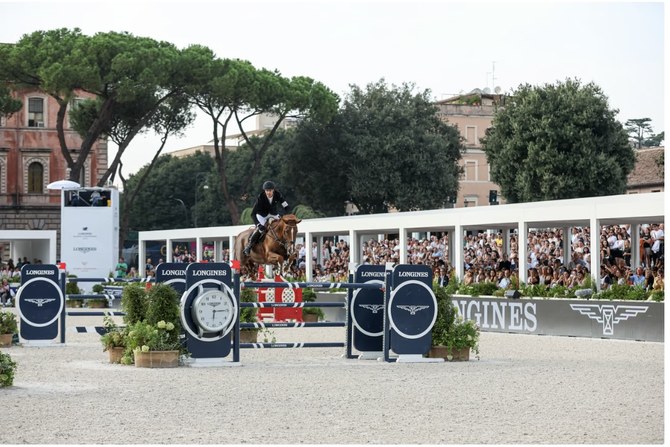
(276, 247)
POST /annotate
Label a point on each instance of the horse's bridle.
(288, 245)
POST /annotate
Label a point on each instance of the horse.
(275, 247)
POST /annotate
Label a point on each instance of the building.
(31, 158)
(647, 175)
(472, 114)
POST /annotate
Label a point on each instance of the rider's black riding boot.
(252, 241)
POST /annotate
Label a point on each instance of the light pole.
(197, 188)
(183, 206)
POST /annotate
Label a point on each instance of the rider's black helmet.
(268, 185)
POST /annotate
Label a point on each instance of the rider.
(264, 208)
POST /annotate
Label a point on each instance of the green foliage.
(98, 288)
(162, 336)
(558, 142)
(657, 295)
(309, 296)
(477, 289)
(622, 292)
(641, 132)
(163, 305)
(7, 369)
(8, 323)
(115, 337)
(134, 303)
(450, 329)
(72, 288)
(382, 127)
(248, 314)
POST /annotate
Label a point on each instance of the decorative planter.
(310, 318)
(248, 335)
(6, 340)
(457, 355)
(95, 304)
(73, 303)
(157, 359)
(115, 354)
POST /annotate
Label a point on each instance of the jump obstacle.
(388, 310)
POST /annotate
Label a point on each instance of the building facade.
(31, 158)
(472, 114)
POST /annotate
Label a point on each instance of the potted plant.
(7, 368)
(72, 288)
(114, 340)
(8, 327)
(452, 337)
(310, 314)
(248, 315)
(154, 341)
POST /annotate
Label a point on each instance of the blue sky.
(446, 47)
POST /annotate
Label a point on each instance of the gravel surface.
(525, 389)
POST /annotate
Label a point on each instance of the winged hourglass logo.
(40, 301)
(412, 309)
(609, 314)
(374, 308)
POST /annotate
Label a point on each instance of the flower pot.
(6, 340)
(248, 335)
(157, 359)
(94, 304)
(73, 303)
(310, 318)
(456, 355)
(115, 354)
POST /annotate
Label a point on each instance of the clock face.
(213, 311)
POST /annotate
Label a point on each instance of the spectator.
(5, 292)
(121, 268)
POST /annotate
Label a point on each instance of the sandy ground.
(524, 390)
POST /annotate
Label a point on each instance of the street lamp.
(197, 188)
(183, 206)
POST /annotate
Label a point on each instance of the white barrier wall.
(633, 209)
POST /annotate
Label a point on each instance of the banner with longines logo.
(627, 320)
(89, 240)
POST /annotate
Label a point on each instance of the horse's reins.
(281, 241)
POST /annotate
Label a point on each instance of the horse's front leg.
(275, 259)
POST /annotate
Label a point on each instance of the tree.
(129, 77)
(234, 91)
(385, 149)
(8, 105)
(558, 142)
(168, 197)
(642, 134)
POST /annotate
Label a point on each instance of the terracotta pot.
(457, 355)
(73, 303)
(248, 335)
(310, 318)
(157, 359)
(6, 340)
(115, 354)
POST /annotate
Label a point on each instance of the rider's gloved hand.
(260, 227)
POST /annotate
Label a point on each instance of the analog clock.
(213, 311)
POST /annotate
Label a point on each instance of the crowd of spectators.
(486, 257)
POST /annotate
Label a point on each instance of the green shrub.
(134, 303)
(7, 368)
(98, 288)
(657, 295)
(8, 324)
(248, 314)
(163, 305)
(72, 288)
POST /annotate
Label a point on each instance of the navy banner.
(367, 310)
(39, 301)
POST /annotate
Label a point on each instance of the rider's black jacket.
(265, 208)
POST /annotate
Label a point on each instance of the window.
(35, 112)
(471, 135)
(470, 170)
(35, 178)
